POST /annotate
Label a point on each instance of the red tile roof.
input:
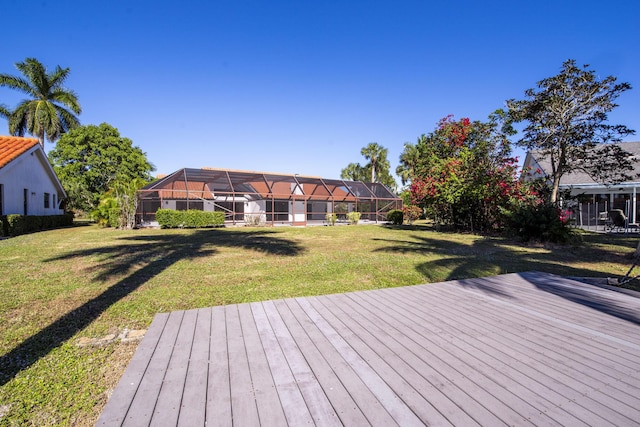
(12, 146)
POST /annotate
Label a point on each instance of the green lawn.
(61, 285)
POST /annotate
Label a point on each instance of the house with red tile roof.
(28, 183)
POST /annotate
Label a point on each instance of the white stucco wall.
(256, 207)
(29, 172)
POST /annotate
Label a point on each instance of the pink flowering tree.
(465, 176)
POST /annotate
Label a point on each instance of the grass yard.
(61, 286)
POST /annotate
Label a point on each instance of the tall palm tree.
(408, 161)
(51, 109)
(377, 156)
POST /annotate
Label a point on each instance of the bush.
(192, 218)
(395, 216)
(543, 222)
(353, 217)
(15, 225)
(107, 214)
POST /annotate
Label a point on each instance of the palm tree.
(353, 172)
(408, 161)
(377, 156)
(50, 110)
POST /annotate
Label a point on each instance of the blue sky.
(302, 86)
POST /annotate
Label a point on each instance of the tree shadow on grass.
(488, 256)
(138, 259)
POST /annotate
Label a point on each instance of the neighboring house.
(28, 184)
(605, 197)
(269, 198)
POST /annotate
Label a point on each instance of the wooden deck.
(518, 349)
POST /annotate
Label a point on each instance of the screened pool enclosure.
(265, 198)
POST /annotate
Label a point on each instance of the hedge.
(15, 225)
(192, 218)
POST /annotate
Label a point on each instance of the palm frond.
(17, 83)
(68, 120)
(4, 111)
(58, 76)
(19, 119)
(67, 98)
(36, 73)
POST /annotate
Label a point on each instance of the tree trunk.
(554, 189)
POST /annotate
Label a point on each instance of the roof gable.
(534, 158)
(11, 147)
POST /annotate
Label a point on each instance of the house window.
(54, 202)
(47, 204)
(25, 201)
(1, 199)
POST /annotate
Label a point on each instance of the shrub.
(395, 216)
(192, 218)
(107, 214)
(15, 225)
(331, 218)
(543, 222)
(353, 217)
(412, 213)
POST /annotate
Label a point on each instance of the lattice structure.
(266, 198)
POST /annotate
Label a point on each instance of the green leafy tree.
(50, 110)
(566, 117)
(90, 159)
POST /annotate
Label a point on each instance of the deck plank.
(218, 410)
(389, 399)
(502, 360)
(267, 399)
(559, 361)
(244, 410)
(169, 400)
(340, 399)
(366, 402)
(116, 409)
(293, 403)
(485, 390)
(144, 402)
(515, 349)
(314, 396)
(376, 346)
(194, 401)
